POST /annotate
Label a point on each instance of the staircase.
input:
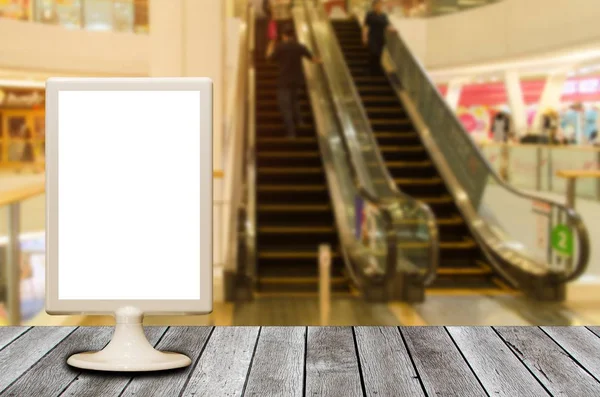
(462, 264)
(294, 212)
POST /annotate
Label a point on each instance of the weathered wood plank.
(498, 370)
(90, 383)
(386, 366)
(332, 363)
(581, 344)
(558, 372)
(23, 353)
(8, 334)
(278, 365)
(224, 365)
(595, 330)
(50, 375)
(186, 340)
(442, 369)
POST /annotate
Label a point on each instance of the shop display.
(577, 121)
(22, 127)
(15, 9)
(501, 126)
(32, 280)
(108, 15)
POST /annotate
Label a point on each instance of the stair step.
(444, 245)
(445, 199)
(292, 188)
(290, 154)
(376, 122)
(296, 230)
(464, 271)
(290, 170)
(283, 139)
(402, 149)
(292, 254)
(418, 181)
(409, 164)
(300, 280)
(294, 208)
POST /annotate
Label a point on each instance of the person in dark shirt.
(288, 54)
(375, 26)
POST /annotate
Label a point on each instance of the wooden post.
(324, 283)
(538, 171)
(571, 191)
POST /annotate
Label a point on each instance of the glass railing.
(364, 243)
(239, 215)
(373, 204)
(22, 249)
(534, 167)
(420, 8)
(97, 15)
(525, 234)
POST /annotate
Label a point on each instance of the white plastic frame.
(164, 307)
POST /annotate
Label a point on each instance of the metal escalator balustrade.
(412, 223)
(294, 211)
(514, 229)
(365, 222)
(462, 263)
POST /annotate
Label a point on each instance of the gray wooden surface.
(315, 361)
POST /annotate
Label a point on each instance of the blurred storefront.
(33, 276)
(97, 15)
(22, 125)
(479, 103)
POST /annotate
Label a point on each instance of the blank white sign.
(129, 193)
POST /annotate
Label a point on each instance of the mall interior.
(459, 185)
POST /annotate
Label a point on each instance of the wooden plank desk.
(571, 176)
(313, 361)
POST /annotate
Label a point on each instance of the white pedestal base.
(129, 350)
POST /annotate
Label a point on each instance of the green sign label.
(562, 240)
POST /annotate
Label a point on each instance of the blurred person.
(280, 12)
(573, 123)
(16, 142)
(375, 26)
(550, 124)
(288, 54)
(501, 126)
(594, 139)
(28, 153)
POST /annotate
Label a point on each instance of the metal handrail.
(354, 256)
(247, 265)
(574, 220)
(396, 196)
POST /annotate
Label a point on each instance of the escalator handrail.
(574, 219)
(247, 264)
(396, 194)
(354, 257)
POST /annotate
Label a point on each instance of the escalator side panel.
(463, 264)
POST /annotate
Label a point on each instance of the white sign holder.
(180, 108)
(129, 350)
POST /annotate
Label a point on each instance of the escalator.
(293, 208)
(462, 263)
